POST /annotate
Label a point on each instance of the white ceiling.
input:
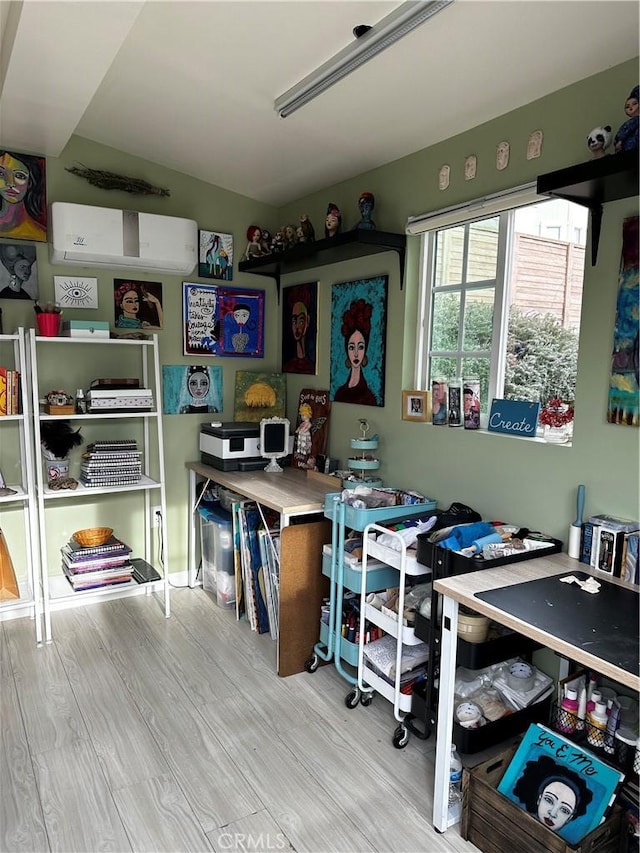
(191, 85)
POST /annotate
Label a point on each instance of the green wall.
(503, 477)
(525, 482)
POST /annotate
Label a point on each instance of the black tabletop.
(605, 624)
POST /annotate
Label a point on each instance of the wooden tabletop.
(462, 588)
(289, 493)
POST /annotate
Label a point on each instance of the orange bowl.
(93, 536)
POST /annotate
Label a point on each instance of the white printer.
(231, 446)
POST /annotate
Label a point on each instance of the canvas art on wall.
(137, 304)
(300, 328)
(23, 200)
(18, 271)
(567, 788)
(624, 388)
(358, 333)
(312, 428)
(191, 389)
(222, 320)
(75, 291)
(259, 395)
(215, 255)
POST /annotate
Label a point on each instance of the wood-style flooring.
(132, 732)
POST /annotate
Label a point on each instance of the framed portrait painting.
(18, 271)
(416, 405)
(358, 333)
(23, 198)
(215, 255)
(222, 321)
(300, 328)
(193, 389)
(138, 305)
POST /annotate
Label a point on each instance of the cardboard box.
(496, 825)
(85, 329)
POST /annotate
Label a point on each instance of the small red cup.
(48, 324)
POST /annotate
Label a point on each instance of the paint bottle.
(597, 725)
(596, 696)
(582, 707)
(613, 722)
(568, 719)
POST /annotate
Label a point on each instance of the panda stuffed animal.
(599, 140)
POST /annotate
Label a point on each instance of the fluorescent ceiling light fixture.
(386, 32)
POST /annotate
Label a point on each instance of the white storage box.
(85, 329)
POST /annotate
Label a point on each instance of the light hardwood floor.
(131, 732)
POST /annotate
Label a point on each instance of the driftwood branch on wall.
(110, 181)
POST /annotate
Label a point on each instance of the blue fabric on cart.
(464, 535)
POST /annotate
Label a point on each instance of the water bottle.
(455, 784)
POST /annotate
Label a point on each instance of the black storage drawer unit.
(470, 741)
(445, 563)
(479, 655)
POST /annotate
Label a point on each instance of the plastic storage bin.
(216, 540)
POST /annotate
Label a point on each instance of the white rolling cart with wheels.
(405, 565)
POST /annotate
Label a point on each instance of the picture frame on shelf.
(416, 406)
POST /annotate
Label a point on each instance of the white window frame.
(426, 225)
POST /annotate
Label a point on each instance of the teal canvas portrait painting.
(358, 338)
(191, 389)
(566, 788)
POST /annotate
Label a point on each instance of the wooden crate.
(496, 825)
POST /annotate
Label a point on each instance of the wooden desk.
(302, 584)
(462, 589)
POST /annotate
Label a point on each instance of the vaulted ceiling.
(191, 85)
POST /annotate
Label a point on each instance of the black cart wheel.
(311, 664)
(352, 698)
(401, 737)
(366, 699)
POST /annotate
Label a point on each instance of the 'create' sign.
(514, 417)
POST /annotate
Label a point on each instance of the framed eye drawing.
(76, 291)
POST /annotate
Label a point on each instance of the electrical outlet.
(156, 515)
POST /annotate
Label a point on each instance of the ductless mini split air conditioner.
(104, 237)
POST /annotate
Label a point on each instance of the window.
(501, 299)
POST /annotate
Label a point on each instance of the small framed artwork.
(300, 328)
(222, 321)
(259, 395)
(416, 405)
(18, 271)
(215, 255)
(138, 304)
(76, 291)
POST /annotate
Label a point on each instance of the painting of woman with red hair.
(358, 312)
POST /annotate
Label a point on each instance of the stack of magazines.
(96, 566)
(111, 463)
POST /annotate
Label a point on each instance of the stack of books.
(97, 566)
(111, 463)
(10, 402)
